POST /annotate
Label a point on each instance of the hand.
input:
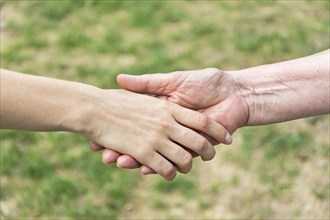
(153, 131)
(255, 96)
(210, 91)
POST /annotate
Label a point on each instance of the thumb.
(155, 84)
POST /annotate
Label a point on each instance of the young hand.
(153, 131)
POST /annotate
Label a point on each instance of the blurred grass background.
(278, 171)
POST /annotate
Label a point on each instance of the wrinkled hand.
(210, 91)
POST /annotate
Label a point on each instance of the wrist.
(81, 108)
(287, 90)
(281, 92)
(256, 89)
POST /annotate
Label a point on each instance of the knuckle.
(203, 120)
(155, 140)
(152, 142)
(166, 126)
(145, 152)
(201, 144)
(186, 160)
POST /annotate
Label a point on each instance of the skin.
(255, 96)
(155, 132)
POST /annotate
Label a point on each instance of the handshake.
(161, 121)
(188, 112)
(185, 115)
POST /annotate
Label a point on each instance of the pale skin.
(155, 132)
(255, 96)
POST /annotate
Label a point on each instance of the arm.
(286, 90)
(37, 103)
(255, 96)
(151, 130)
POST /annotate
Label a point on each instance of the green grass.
(58, 178)
(54, 175)
(180, 185)
(276, 143)
(276, 154)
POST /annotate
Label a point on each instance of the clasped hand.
(161, 120)
(217, 108)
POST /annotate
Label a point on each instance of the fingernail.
(228, 139)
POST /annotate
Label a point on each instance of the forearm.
(41, 104)
(286, 90)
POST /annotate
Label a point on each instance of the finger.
(110, 156)
(178, 156)
(211, 140)
(158, 163)
(194, 154)
(193, 141)
(156, 84)
(146, 170)
(202, 123)
(127, 162)
(95, 146)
